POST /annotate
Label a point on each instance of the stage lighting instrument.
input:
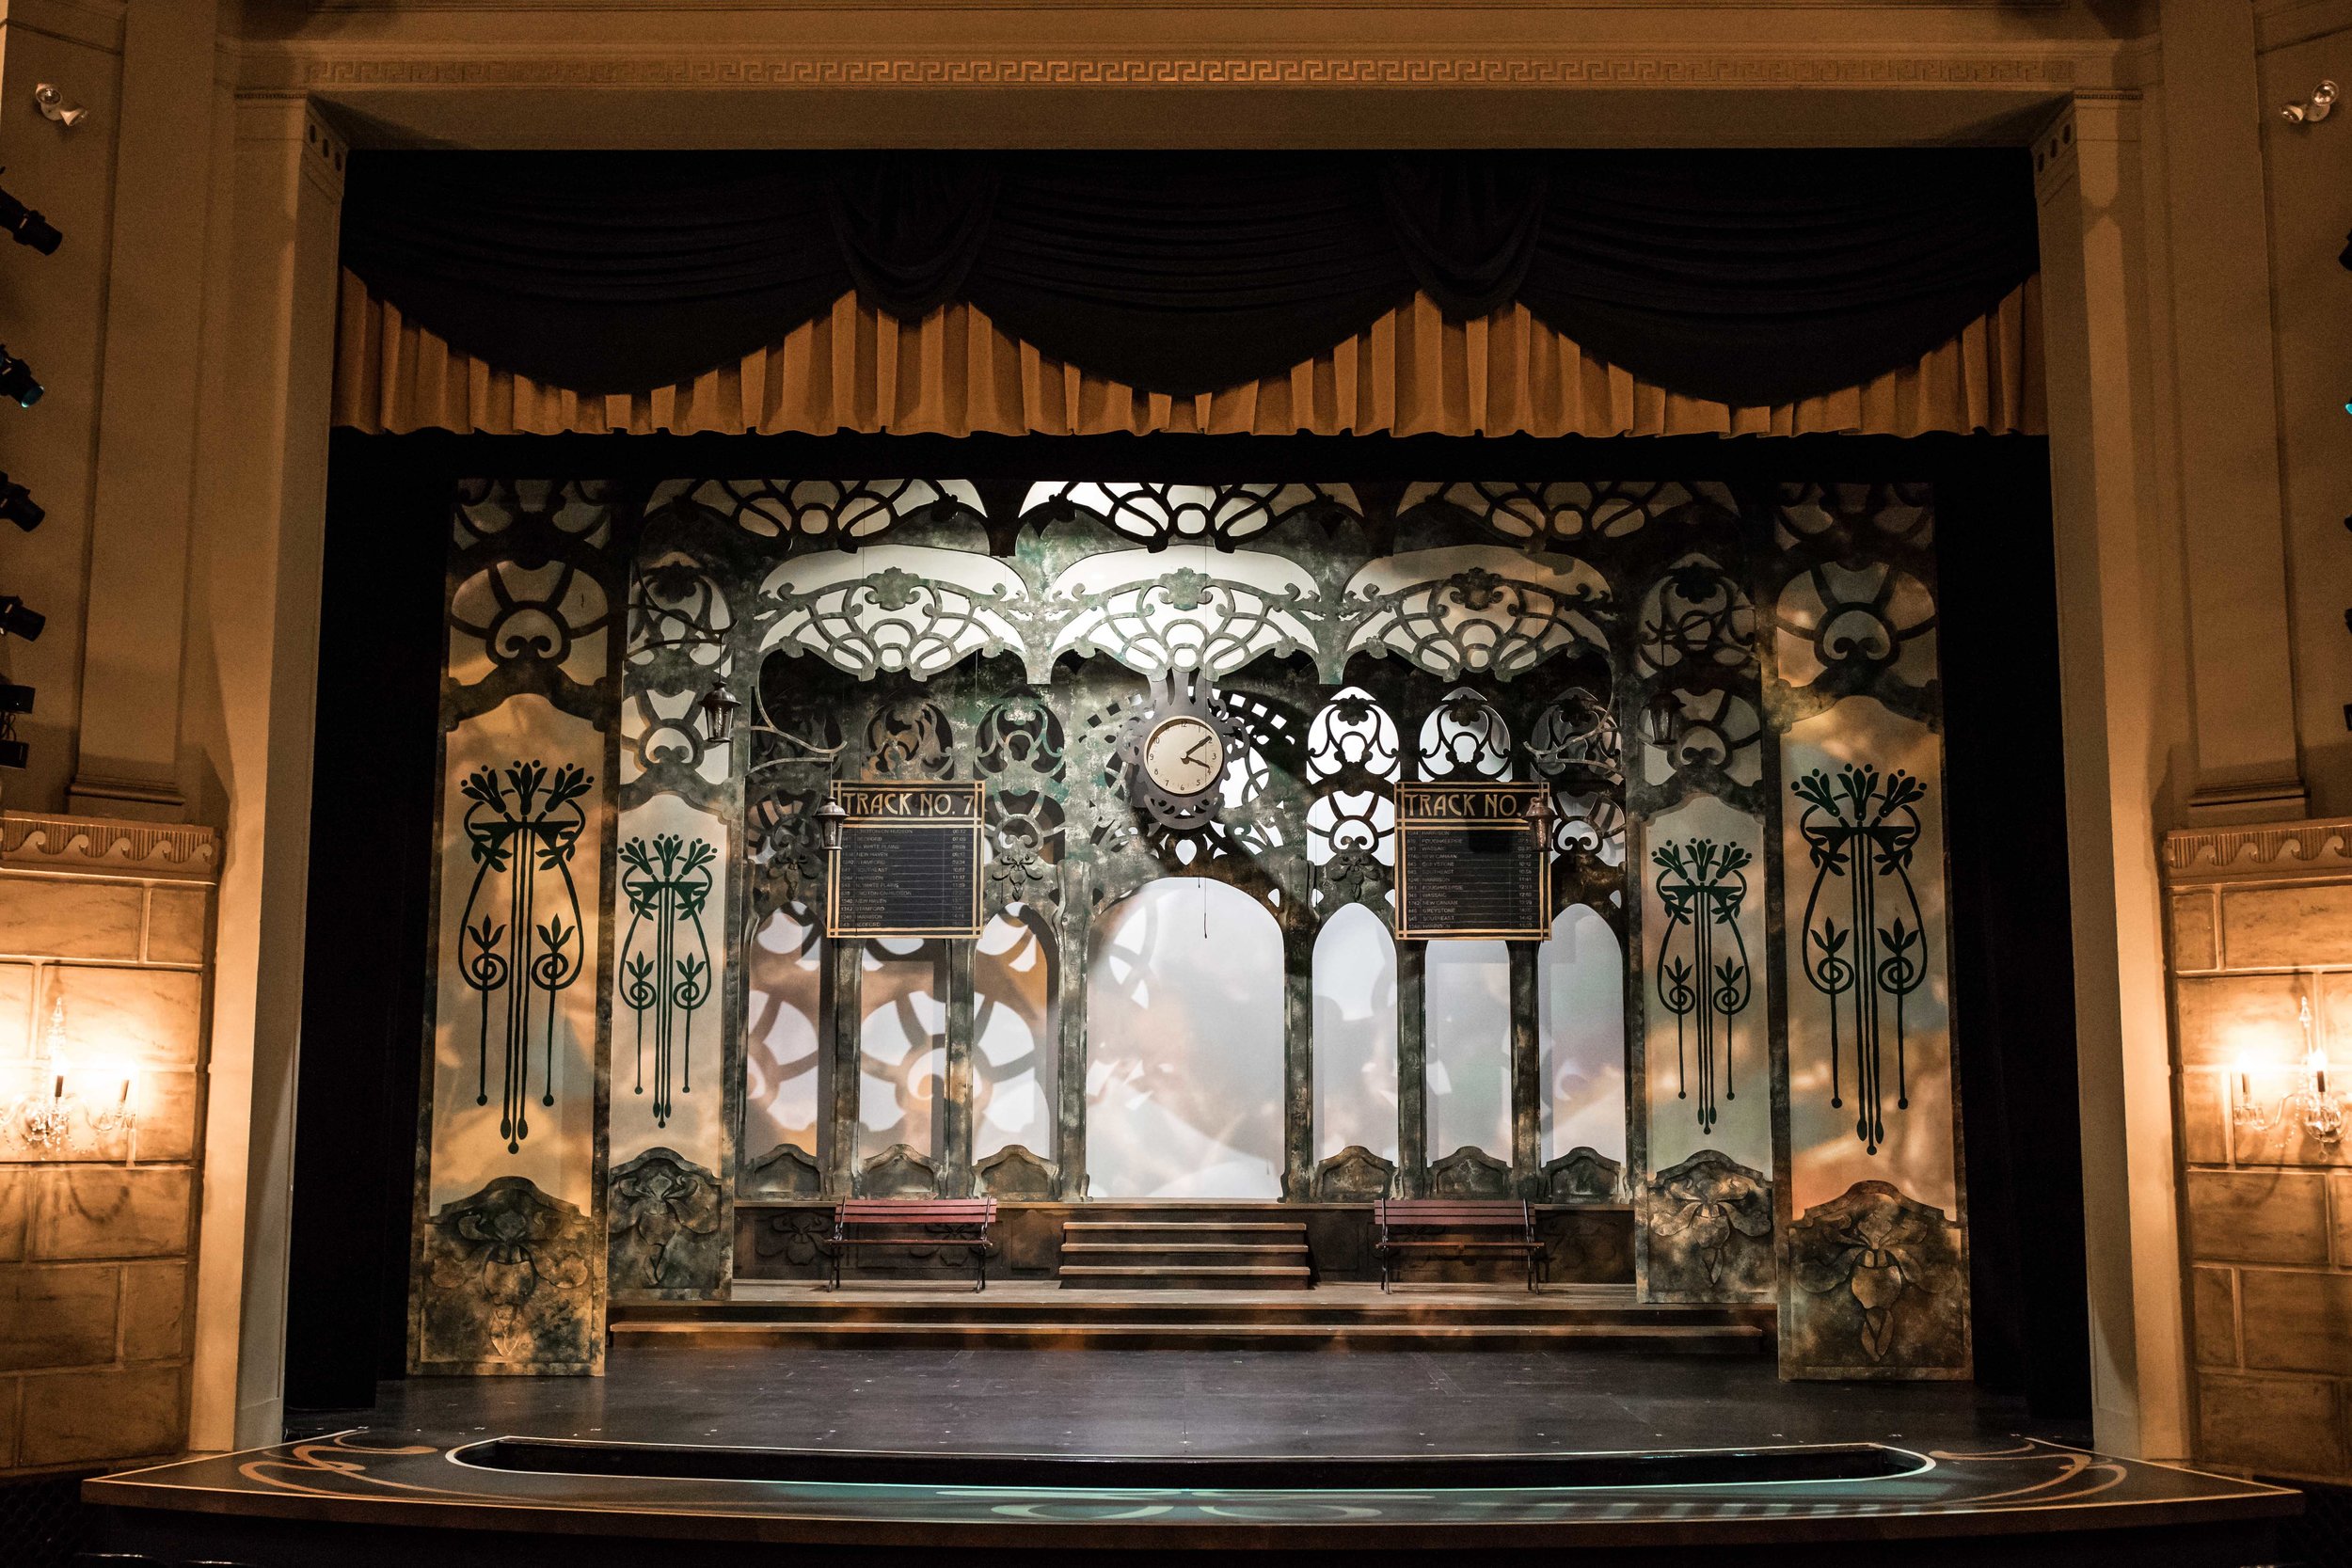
(26, 225)
(17, 620)
(16, 380)
(18, 506)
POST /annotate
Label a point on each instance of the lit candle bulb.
(2245, 1081)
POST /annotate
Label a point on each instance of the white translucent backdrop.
(1184, 1046)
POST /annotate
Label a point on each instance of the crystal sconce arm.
(2312, 1106)
(44, 1119)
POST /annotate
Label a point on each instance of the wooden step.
(1242, 1276)
(1208, 1333)
(945, 1300)
(1182, 1249)
(1108, 1229)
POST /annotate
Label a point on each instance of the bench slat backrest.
(900, 1210)
(1450, 1214)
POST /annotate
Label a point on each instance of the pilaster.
(2095, 266)
(129, 758)
(2225, 375)
(251, 680)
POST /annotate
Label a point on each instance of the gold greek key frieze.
(1160, 71)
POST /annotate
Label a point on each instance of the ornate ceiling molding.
(306, 66)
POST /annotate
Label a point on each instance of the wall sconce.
(2313, 109)
(54, 104)
(829, 819)
(2311, 1105)
(719, 706)
(1543, 817)
(45, 1120)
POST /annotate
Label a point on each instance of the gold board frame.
(967, 816)
(1410, 821)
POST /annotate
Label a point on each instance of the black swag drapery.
(1747, 278)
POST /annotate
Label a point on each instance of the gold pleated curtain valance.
(953, 374)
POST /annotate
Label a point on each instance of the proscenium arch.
(1184, 1086)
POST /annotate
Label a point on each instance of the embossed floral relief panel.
(1880, 1267)
(511, 1265)
(1706, 1061)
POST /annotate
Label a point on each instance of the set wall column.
(1298, 1061)
(1073, 952)
(2210, 118)
(1412, 1068)
(251, 684)
(2115, 625)
(146, 469)
(1527, 1077)
(845, 1014)
(955, 1169)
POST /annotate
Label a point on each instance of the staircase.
(1185, 1255)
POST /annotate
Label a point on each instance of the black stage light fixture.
(28, 227)
(17, 620)
(15, 699)
(13, 752)
(18, 506)
(16, 380)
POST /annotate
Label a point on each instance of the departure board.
(909, 861)
(1468, 863)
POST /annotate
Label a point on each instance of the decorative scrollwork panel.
(516, 1026)
(1870, 1050)
(669, 981)
(1705, 993)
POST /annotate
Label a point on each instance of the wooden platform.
(1347, 1315)
(471, 1499)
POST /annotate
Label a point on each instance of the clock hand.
(1195, 752)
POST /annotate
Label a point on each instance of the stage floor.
(1181, 1402)
(1959, 1478)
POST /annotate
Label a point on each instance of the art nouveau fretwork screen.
(1738, 1024)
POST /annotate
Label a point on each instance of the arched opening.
(1466, 1005)
(1013, 1034)
(1579, 1000)
(784, 1077)
(1184, 1045)
(902, 1047)
(1355, 1056)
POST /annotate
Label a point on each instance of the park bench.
(914, 1223)
(1449, 1228)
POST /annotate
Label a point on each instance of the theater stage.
(752, 1448)
(1344, 1314)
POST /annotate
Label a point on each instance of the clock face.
(1183, 757)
